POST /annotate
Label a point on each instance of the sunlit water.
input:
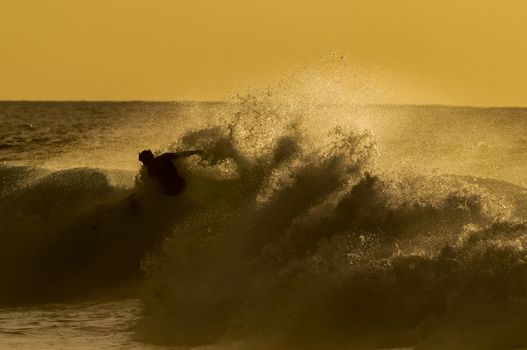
(90, 325)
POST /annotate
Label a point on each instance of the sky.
(462, 52)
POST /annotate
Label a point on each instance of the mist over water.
(304, 224)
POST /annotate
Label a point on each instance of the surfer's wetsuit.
(163, 169)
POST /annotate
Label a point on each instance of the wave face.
(70, 232)
(303, 226)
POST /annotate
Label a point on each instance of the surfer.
(163, 169)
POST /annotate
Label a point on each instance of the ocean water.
(83, 325)
(303, 226)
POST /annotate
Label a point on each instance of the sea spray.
(305, 245)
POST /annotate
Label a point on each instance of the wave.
(70, 232)
(289, 234)
(307, 244)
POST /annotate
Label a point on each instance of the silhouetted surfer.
(163, 169)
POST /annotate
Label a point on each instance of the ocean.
(303, 226)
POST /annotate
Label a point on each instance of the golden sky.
(463, 52)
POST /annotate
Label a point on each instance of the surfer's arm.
(182, 154)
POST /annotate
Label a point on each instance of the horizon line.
(230, 102)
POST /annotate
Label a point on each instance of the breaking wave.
(301, 241)
(289, 235)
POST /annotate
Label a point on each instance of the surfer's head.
(146, 156)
